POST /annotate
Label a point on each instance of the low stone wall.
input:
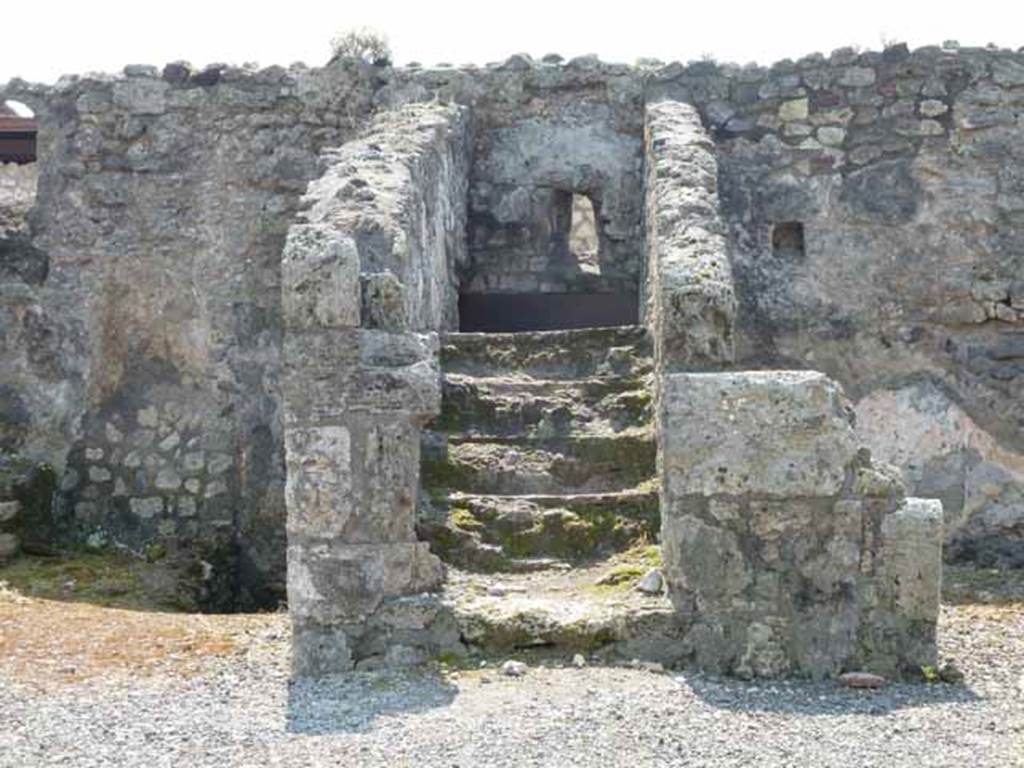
(792, 552)
(785, 549)
(367, 281)
(690, 306)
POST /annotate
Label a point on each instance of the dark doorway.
(506, 312)
(575, 290)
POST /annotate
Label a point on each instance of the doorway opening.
(551, 271)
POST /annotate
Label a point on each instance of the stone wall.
(901, 169)
(148, 359)
(786, 548)
(690, 303)
(140, 314)
(543, 134)
(368, 280)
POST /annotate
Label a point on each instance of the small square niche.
(788, 240)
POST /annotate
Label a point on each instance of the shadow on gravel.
(820, 699)
(351, 703)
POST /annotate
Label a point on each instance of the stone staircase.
(539, 482)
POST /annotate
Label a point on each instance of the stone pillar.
(367, 281)
(905, 567)
(790, 551)
(354, 398)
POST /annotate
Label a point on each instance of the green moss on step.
(497, 632)
(442, 473)
(623, 574)
(564, 534)
(445, 542)
(648, 555)
(462, 517)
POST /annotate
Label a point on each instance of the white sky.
(54, 38)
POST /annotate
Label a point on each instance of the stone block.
(384, 302)
(795, 109)
(147, 507)
(771, 584)
(777, 434)
(398, 371)
(319, 279)
(695, 326)
(356, 483)
(335, 583)
(902, 591)
(319, 650)
(318, 490)
(141, 96)
(692, 305)
(330, 373)
(791, 551)
(702, 562)
(909, 559)
(857, 77)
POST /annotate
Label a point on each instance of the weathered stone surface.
(9, 546)
(857, 77)
(795, 109)
(320, 279)
(790, 550)
(26, 504)
(391, 202)
(519, 471)
(319, 649)
(773, 433)
(140, 301)
(336, 371)
(9, 510)
(153, 284)
(910, 549)
(332, 583)
(902, 600)
(945, 454)
(523, 182)
(10, 543)
(17, 195)
(689, 289)
(319, 491)
(399, 195)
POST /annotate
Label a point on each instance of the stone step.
(565, 612)
(542, 408)
(571, 354)
(465, 548)
(489, 533)
(514, 466)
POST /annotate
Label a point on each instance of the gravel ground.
(237, 709)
